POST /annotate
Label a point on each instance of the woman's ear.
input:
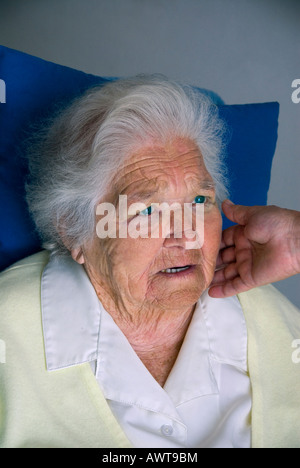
(77, 255)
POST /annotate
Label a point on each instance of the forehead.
(156, 167)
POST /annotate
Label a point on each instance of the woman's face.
(133, 270)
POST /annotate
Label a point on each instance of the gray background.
(245, 50)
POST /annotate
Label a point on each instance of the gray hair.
(83, 148)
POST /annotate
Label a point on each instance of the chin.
(178, 298)
(178, 290)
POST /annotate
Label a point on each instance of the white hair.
(72, 166)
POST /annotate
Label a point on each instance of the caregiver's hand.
(262, 248)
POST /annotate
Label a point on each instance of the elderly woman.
(112, 340)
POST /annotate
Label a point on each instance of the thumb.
(238, 213)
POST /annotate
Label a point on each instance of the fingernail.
(228, 202)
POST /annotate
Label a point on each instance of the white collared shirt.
(206, 400)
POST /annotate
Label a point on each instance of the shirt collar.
(70, 314)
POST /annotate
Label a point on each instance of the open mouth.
(175, 270)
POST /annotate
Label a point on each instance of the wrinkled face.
(159, 272)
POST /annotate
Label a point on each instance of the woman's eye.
(148, 211)
(200, 199)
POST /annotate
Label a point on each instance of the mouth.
(177, 270)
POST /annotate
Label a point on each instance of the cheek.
(212, 233)
(135, 256)
(99, 256)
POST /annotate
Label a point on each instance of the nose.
(186, 228)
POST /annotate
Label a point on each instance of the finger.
(225, 274)
(233, 236)
(219, 277)
(227, 239)
(228, 289)
(238, 213)
(228, 236)
(237, 285)
(227, 255)
(218, 292)
(219, 261)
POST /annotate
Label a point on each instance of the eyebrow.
(207, 185)
(204, 184)
(147, 194)
(141, 195)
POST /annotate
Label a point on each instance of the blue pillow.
(250, 149)
(34, 87)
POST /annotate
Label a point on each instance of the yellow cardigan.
(66, 408)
